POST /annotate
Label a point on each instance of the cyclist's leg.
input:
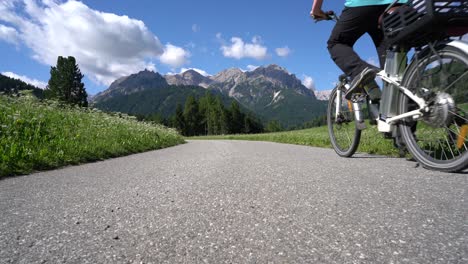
(381, 46)
(353, 23)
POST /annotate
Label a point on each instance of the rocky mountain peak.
(275, 67)
(191, 74)
(130, 84)
(228, 75)
(189, 77)
(276, 75)
(271, 71)
(141, 78)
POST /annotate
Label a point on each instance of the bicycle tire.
(435, 72)
(344, 145)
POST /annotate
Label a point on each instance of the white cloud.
(8, 34)
(308, 82)
(37, 83)
(106, 46)
(195, 28)
(283, 52)
(238, 49)
(202, 72)
(174, 56)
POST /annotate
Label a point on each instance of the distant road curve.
(236, 202)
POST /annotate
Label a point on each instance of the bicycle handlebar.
(330, 16)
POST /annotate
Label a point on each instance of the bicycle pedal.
(361, 125)
(358, 98)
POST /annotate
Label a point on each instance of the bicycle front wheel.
(438, 140)
(344, 135)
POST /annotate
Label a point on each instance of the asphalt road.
(236, 202)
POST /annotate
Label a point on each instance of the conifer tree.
(192, 117)
(236, 119)
(205, 104)
(251, 125)
(274, 126)
(179, 121)
(66, 84)
(220, 116)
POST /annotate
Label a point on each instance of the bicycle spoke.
(442, 148)
(453, 140)
(343, 134)
(448, 145)
(457, 133)
(347, 136)
(450, 86)
(457, 115)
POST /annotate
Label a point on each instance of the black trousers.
(353, 24)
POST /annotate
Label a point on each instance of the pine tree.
(212, 116)
(179, 121)
(205, 104)
(66, 84)
(274, 126)
(221, 117)
(192, 117)
(252, 125)
(236, 119)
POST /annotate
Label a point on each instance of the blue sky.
(115, 38)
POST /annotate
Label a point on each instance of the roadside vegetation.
(37, 135)
(372, 141)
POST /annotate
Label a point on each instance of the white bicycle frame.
(386, 125)
(392, 75)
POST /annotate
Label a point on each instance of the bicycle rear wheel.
(344, 135)
(440, 139)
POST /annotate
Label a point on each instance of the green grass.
(371, 140)
(37, 136)
(463, 106)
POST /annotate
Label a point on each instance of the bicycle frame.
(392, 76)
(387, 124)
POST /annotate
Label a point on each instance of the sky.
(111, 39)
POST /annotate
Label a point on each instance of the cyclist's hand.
(319, 15)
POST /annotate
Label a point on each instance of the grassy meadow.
(372, 141)
(44, 135)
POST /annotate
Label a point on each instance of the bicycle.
(424, 102)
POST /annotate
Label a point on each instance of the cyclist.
(357, 18)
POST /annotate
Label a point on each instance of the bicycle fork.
(354, 107)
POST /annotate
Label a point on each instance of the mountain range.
(271, 92)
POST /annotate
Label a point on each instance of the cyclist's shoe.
(366, 76)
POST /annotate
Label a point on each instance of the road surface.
(236, 202)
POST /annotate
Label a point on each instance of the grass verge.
(372, 141)
(38, 136)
